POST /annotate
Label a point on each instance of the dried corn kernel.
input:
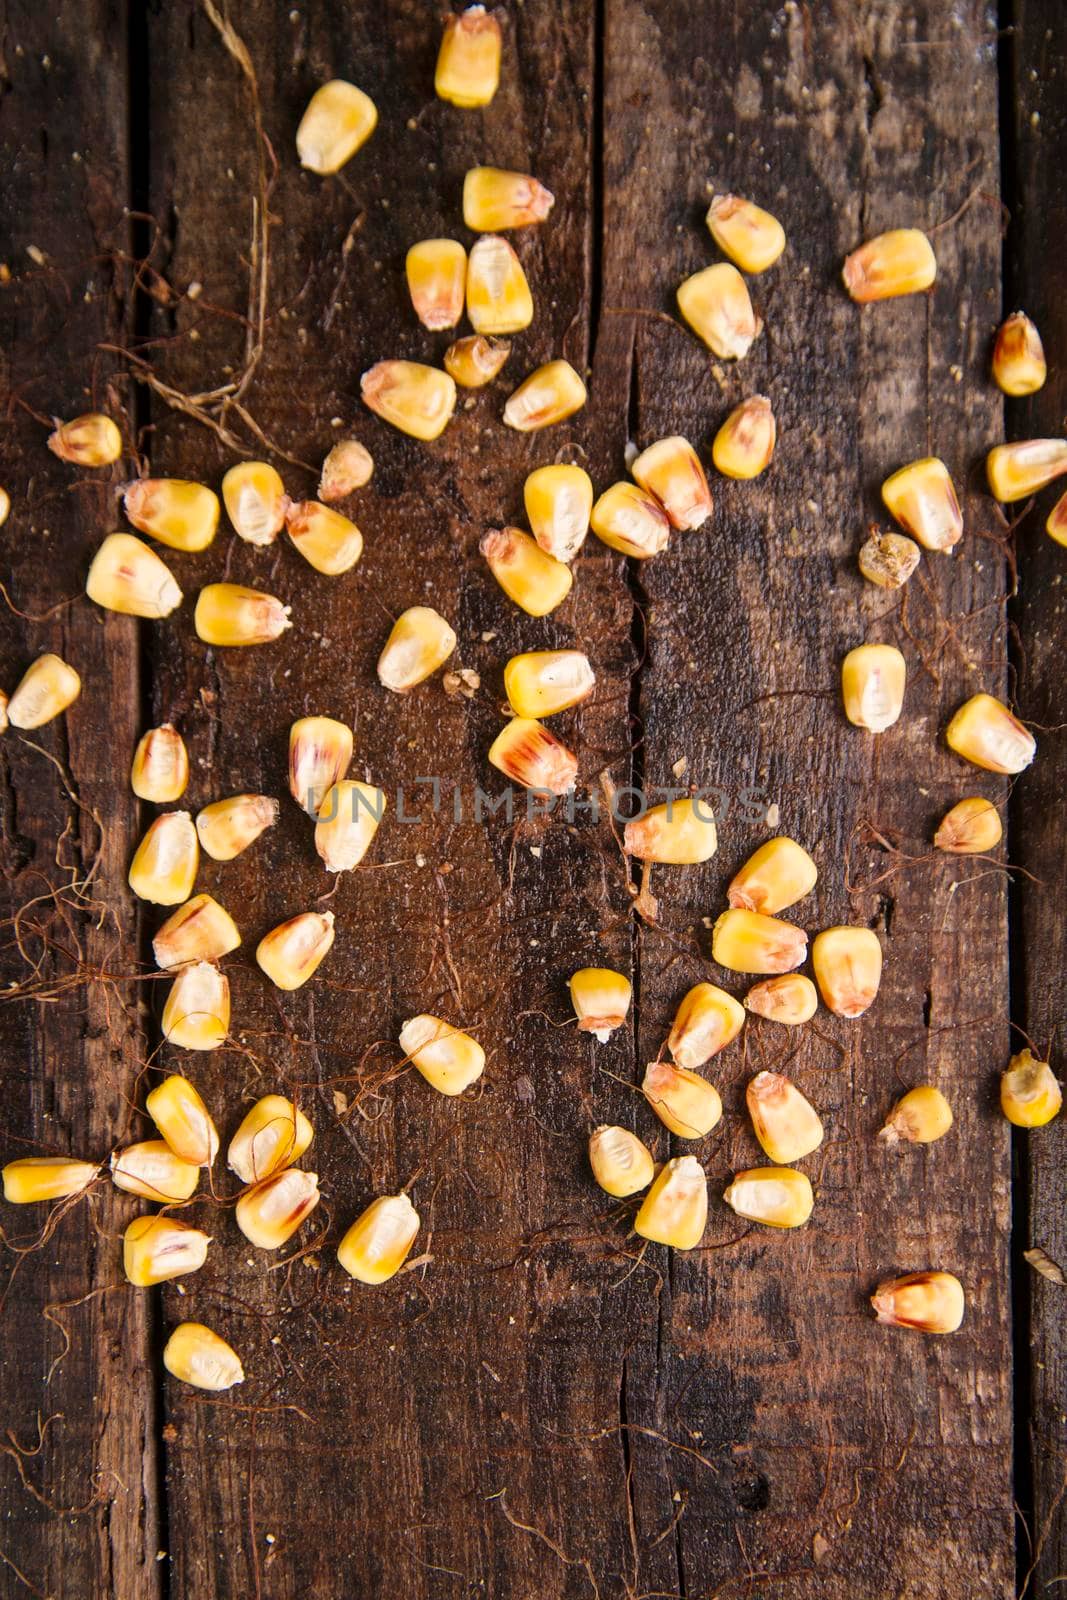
(436, 271)
(747, 941)
(348, 467)
(601, 999)
(778, 875)
(558, 503)
(196, 1015)
(716, 305)
(984, 732)
(420, 642)
(449, 1059)
(127, 576)
(5, 506)
(542, 682)
(160, 770)
(417, 399)
(922, 498)
(255, 500)
(468, 62)
(779, 1197)
(621, 1164)
(889, 559)
(200, 930)
(195, 1355)
(45, 690)
(707, 1020)
(178, 513)
(848, 969)
(1015, 471)
(270, 1212)
(629, 519)
(320, 750)
(226, 827)
(380, 1240)
(347, 823)
(678, 832)
(475, 361)
(530, 756)
(156, 1249)
(498, 295)
(1056, 524)
(750, 236)
(683, 1101)
(183, 1119)
(34, 1178)
(89, 441)
(899, 262)
(494, 200)
(783, 1120)
(3, 712)
(164, 865)
(327, 541)
(230, 614)
(972, 827)
(338, 120)
(291, 952)
(931, 1302)
(1019, 356)
(670, 471)
(921, 1116)
(745, 443)
(535, 581)
(1029, 1094)
(873, 677)
(675, 1210)
(152, 1170)
(790, 999)
(273, 1134)
(549, 395)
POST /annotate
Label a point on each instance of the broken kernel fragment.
(338, 120)
(128, 577)
(196, 1015)
(748, 941)
(790, 999)
(527, 754)
(327, 541)
(270, 1212)
(1019, 365)
(273, 1134)
(32, 1179)
(468, 62)
(559, 501)
(774, 878)
(783, 1120)
(848, 969)
(347, 467)
(449, 1059)
(178, 513)
(716, 305)
(290, 953)
(160, 770)
(888, 559)
(255, 500)
(678, 833)
(921, 1116)
(750, 236)
(670, 472)
(972, 827)
(156, 1249)
(744, 444)
(436, 271)
(922, 498)
(228, 614)
(1015, 471)
(543, 682)
(675, 1210)
(380, 1240)
(930, 1302)
(475, 361)
(226, 827)
(535, 581)
(779, 1197)
(498, 295)
(164, 865)
(195, 1355)
(984, 732)
(495, 200)
(1030, 1096)
(89, 441)
(601, 999)
(320, 750)
(621, 1164)
(707, 1020)
(895, 263)
(683, 1101)
(629, 519)
(200, 930)
(420, 642)
(183, 1120)
(45, 690)
(873, 679)
(416, 399)
(549, 395)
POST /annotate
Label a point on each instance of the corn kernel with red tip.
(683, 1101)
(774, 878)
(984, 732)
(791, 999)
(228, 614)
(848, 969)
(750, 236)
(226, 827)
(178, 513)
(338, 120)
(1019, 365)
(929, 1302)
(436, 271)
(534, 580)
(601, 999)
(526, 753)
(200, 930)
(675, 1210)
(160, 770)
(89, 441)
(748, 941)
(468, 62)
(495, 200)
(416, 399)
(716, 305)
(895, 263)
(292, 952)
(126, 576)
(744, 445)
(783, 1120)
(1056, 525)
(327, 541)
(670, 472)
(922, 498)
(678, 833)
(380, 1240)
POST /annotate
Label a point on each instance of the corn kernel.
(1056, 525)
(558, 502)
(931, 1302)
(495, 200)
(475, 361)
(750, 236)
(178, 513)
(269, 1213)
(984, 732)
(164, 865)
(292, 951)
(748, 941)
(417, 399)
(621, 1164)
(34, 1178)
(338, 120)
(436, 271)
(152, 1170)
(327, 541)
(889, 559)
(1018, 356)
(873, 677)
(226, 827)
(629, 519)
(922, 498)
(678, 833)
(716, 305)
(848, 969)
(255, 500)
(542, 682)
(683, 1101)
(320, 750)
(530, 756)
(200, 930)
(347, 823)
(230, 614)
(448, 1059)
(921, 1116)
(549, 395)
(273, 1134)
(972, 827)
(128, 577)
(744, 445)
(195, 1355)
(498, 295)
(468, 62)
(779, 1197)
(1016, 471)
(675, 1210)
(45, 690)
(380, 1240)
(899, 262)
(670, 472)
(783, 1120)
(707, 1020)
(183, 1119)
(156, 1249)
(535, 581)
(790, 999)
(347, 467)
(601, 999)
(420, 642)
(160, 770)
(778, 875)
(196, 1015)
(5, 506)
(89, 441)
(1029, 1094)
(3, 712)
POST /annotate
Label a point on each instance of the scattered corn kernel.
(922, 498)
(972, 827)
(873, 677)
(476, 360)
(791, 999)
(196, 1015)
(601, 999)
(748, 941)
(683, 1101)
(255, 500)
(269, 1213)
(670, 472)
(195, 1355)
(45, 690)
(848, 969)
(3, 712)
(226, 827)
(380, 1240)
(230, 614)
(160, 770)
(931, 1302)
(164, 865)
(631, 520)
(1056, 525)
(744, 445)
(707, 1020)
(541, 682)
(155, 1249)
(327, 541)
(899, 262)
(127, 576)
(320, 750)
(530, 756)
(347, 822)
(1029, 1094)
(468, 62)
(535, 581)
(338, 120)
(494, 200)
(1018, 356)
(449, 1059)
(183, 1119)
(34, 1178)
(675, 1210)
(178, 513)
(780, 1197)
(716, 305)
(348, 467)
(921, 1116)
(750, 236)
(273, 1134)
(292, 951)
(783, 1120)
(775, 877)
(89, 441)
(498, 295)
(621, 1164)
(417, 399)
(889, 559)
(1016, 471)
(678, 832)
(559, 500)
(549, 395)
(152, 1170)
(200, 930)
(5, 506)
(420, 642)
(436, 271)
(984, 732)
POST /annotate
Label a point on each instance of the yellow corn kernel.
(164, 865)
(1029, 1094)
(417, 399)
(468, 62)
(790, 999)
(183, 1119)
(1016, 471)
(273, 1134)
(327, 541)
(338, 120)
(899, 262)
(178, 513)
(848, 969)
(744, 444)
(549, 395)
(155, 1249)
(707, 1020)
(873, 678)
(448, 1059)
(716, 305)
(1019, 356)
(750, 236)
(621, 1164)
(931, 1302)
(45, 690)
(530, 756)
(34, 1178)
(292, 951)
(494, 200)
(89, 441)
(152, 1170)
(922, 498)
(195, 1355)
(921, 1116)
(3, 712)
(347, 823)
(631, 520)
(541, 682)
(683, 1101)
(226, 827)
(889, 559)
(269, 1213)
(498, 295)
(230, 614)
(5, 506)
(558, 502)
(420, 642)
(779, 1197)
(320, 750)
(601, 999)
(775, 877)
(670, 471)
(748, 941)
(535, 581)
(783, 1120)
(200, 930)
(160, 770)
(984, 732)
(475, 361)
(127, 576)
(678, 833)
(972, 827)
(196, 1015)
(347, 467)
(380, 1240)
(675, 1210)
(255, 500)
(1056, 525)
(436, 271)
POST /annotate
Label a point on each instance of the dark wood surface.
(534, 1411)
